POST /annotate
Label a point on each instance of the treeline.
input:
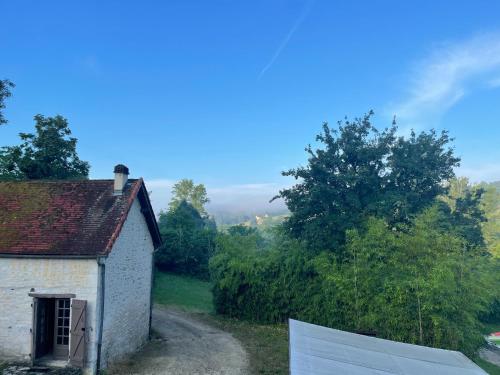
(418, 286)
(380, 239)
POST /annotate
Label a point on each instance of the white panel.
(320, 350)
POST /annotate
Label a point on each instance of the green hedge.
(416, 287)
(265, 285)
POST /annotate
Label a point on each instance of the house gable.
(127, 295)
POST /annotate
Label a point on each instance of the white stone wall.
(127, 289)
(19, 275)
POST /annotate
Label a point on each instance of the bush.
(418, 287)
(262, 284)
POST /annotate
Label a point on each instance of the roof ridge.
(99, 180)
(67, 218)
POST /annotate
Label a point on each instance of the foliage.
(491, 227)
(186, 292)
(5, 92)
(241, 230)
(260, 283)
(50, 153)
(186, 190)
(418, 286)
(362, 172)
(188, 241)
(377, 241)
(464, 214)
(475, 216)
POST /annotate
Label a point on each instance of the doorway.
(51, 328)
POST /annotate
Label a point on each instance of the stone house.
(76, 268)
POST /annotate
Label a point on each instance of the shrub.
(418, 287)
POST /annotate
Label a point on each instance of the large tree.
(186, 190)
(188, 241)
(5, 92)
(362, 172)
(49, 153)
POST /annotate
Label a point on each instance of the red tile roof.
(67, 218)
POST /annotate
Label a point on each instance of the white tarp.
(317, 350)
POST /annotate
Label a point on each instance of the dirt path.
(491, 355)
(186, 346)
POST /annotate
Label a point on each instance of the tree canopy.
(361, 172)
(186, 190)
(50, 153)
(188, 240)
(381, 238)
(491, 227)
(468, 216)
(5, 92)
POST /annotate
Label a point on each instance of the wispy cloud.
(495, 82)
(241, 198)
(287, 38)
(482, 172)
(448, 74)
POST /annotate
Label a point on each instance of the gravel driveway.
(185, 345)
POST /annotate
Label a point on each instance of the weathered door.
(77, 346)
(61, 328)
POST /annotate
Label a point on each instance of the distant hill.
(260, 220)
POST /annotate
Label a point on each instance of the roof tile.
(72, 218)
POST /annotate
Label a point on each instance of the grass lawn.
(188, 293)
(267, 345)
(488, 367)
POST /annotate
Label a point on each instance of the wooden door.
(61, 328)
(78, 320)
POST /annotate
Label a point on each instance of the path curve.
(186, 345)
(490, 354)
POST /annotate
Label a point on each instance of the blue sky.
(229, 92)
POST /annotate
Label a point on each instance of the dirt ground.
(491, 355)
(185, 345)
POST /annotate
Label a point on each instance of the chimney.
(121, 176)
